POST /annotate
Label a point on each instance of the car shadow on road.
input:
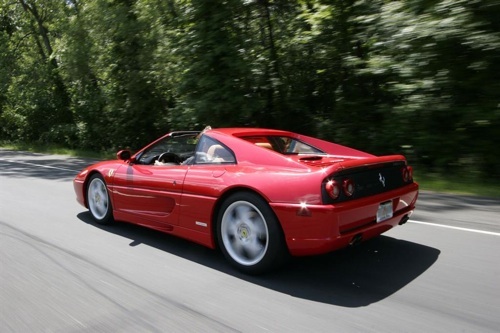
(353, 277)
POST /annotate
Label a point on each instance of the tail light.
(407, 172)
(348, 187)
(333, 189)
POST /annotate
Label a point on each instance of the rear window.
(283, 145)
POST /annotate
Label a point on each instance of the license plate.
(384, 211)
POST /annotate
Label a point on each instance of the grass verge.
(457, 184)
(55, 150)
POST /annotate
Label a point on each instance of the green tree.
(215, 80)
(36, 102)
(440, 60)
(122, 63)
(378, 75)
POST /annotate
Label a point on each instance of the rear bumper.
(317, 229)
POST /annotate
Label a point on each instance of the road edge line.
(457, 228)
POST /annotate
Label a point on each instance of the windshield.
(182, 145)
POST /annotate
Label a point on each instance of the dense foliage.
(421, 77)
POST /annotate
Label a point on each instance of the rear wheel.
(98, 200)
(249, 234)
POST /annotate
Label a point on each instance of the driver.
(189, 160)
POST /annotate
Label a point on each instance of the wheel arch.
(227, 194)
(86, 184)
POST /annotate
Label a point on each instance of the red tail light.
(407, 172)
(348, 187)
(333, 189)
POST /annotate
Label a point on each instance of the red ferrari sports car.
(259, 195)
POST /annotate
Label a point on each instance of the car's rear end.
(361, 198)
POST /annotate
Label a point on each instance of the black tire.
(249, 234)
(98, 200)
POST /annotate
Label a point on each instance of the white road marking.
(457, 228)
(40, 165)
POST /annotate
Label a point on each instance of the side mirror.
(124, 155)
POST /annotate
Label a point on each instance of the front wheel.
(249, 234)
(98, 200)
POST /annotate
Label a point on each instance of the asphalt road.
(60, 272)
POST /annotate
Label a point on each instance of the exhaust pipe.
(356, 240)
(404, 220)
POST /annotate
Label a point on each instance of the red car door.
(148, 194)
(203, 185)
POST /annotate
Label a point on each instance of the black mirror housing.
(124, 155)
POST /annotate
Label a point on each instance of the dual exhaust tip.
(358, 238)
